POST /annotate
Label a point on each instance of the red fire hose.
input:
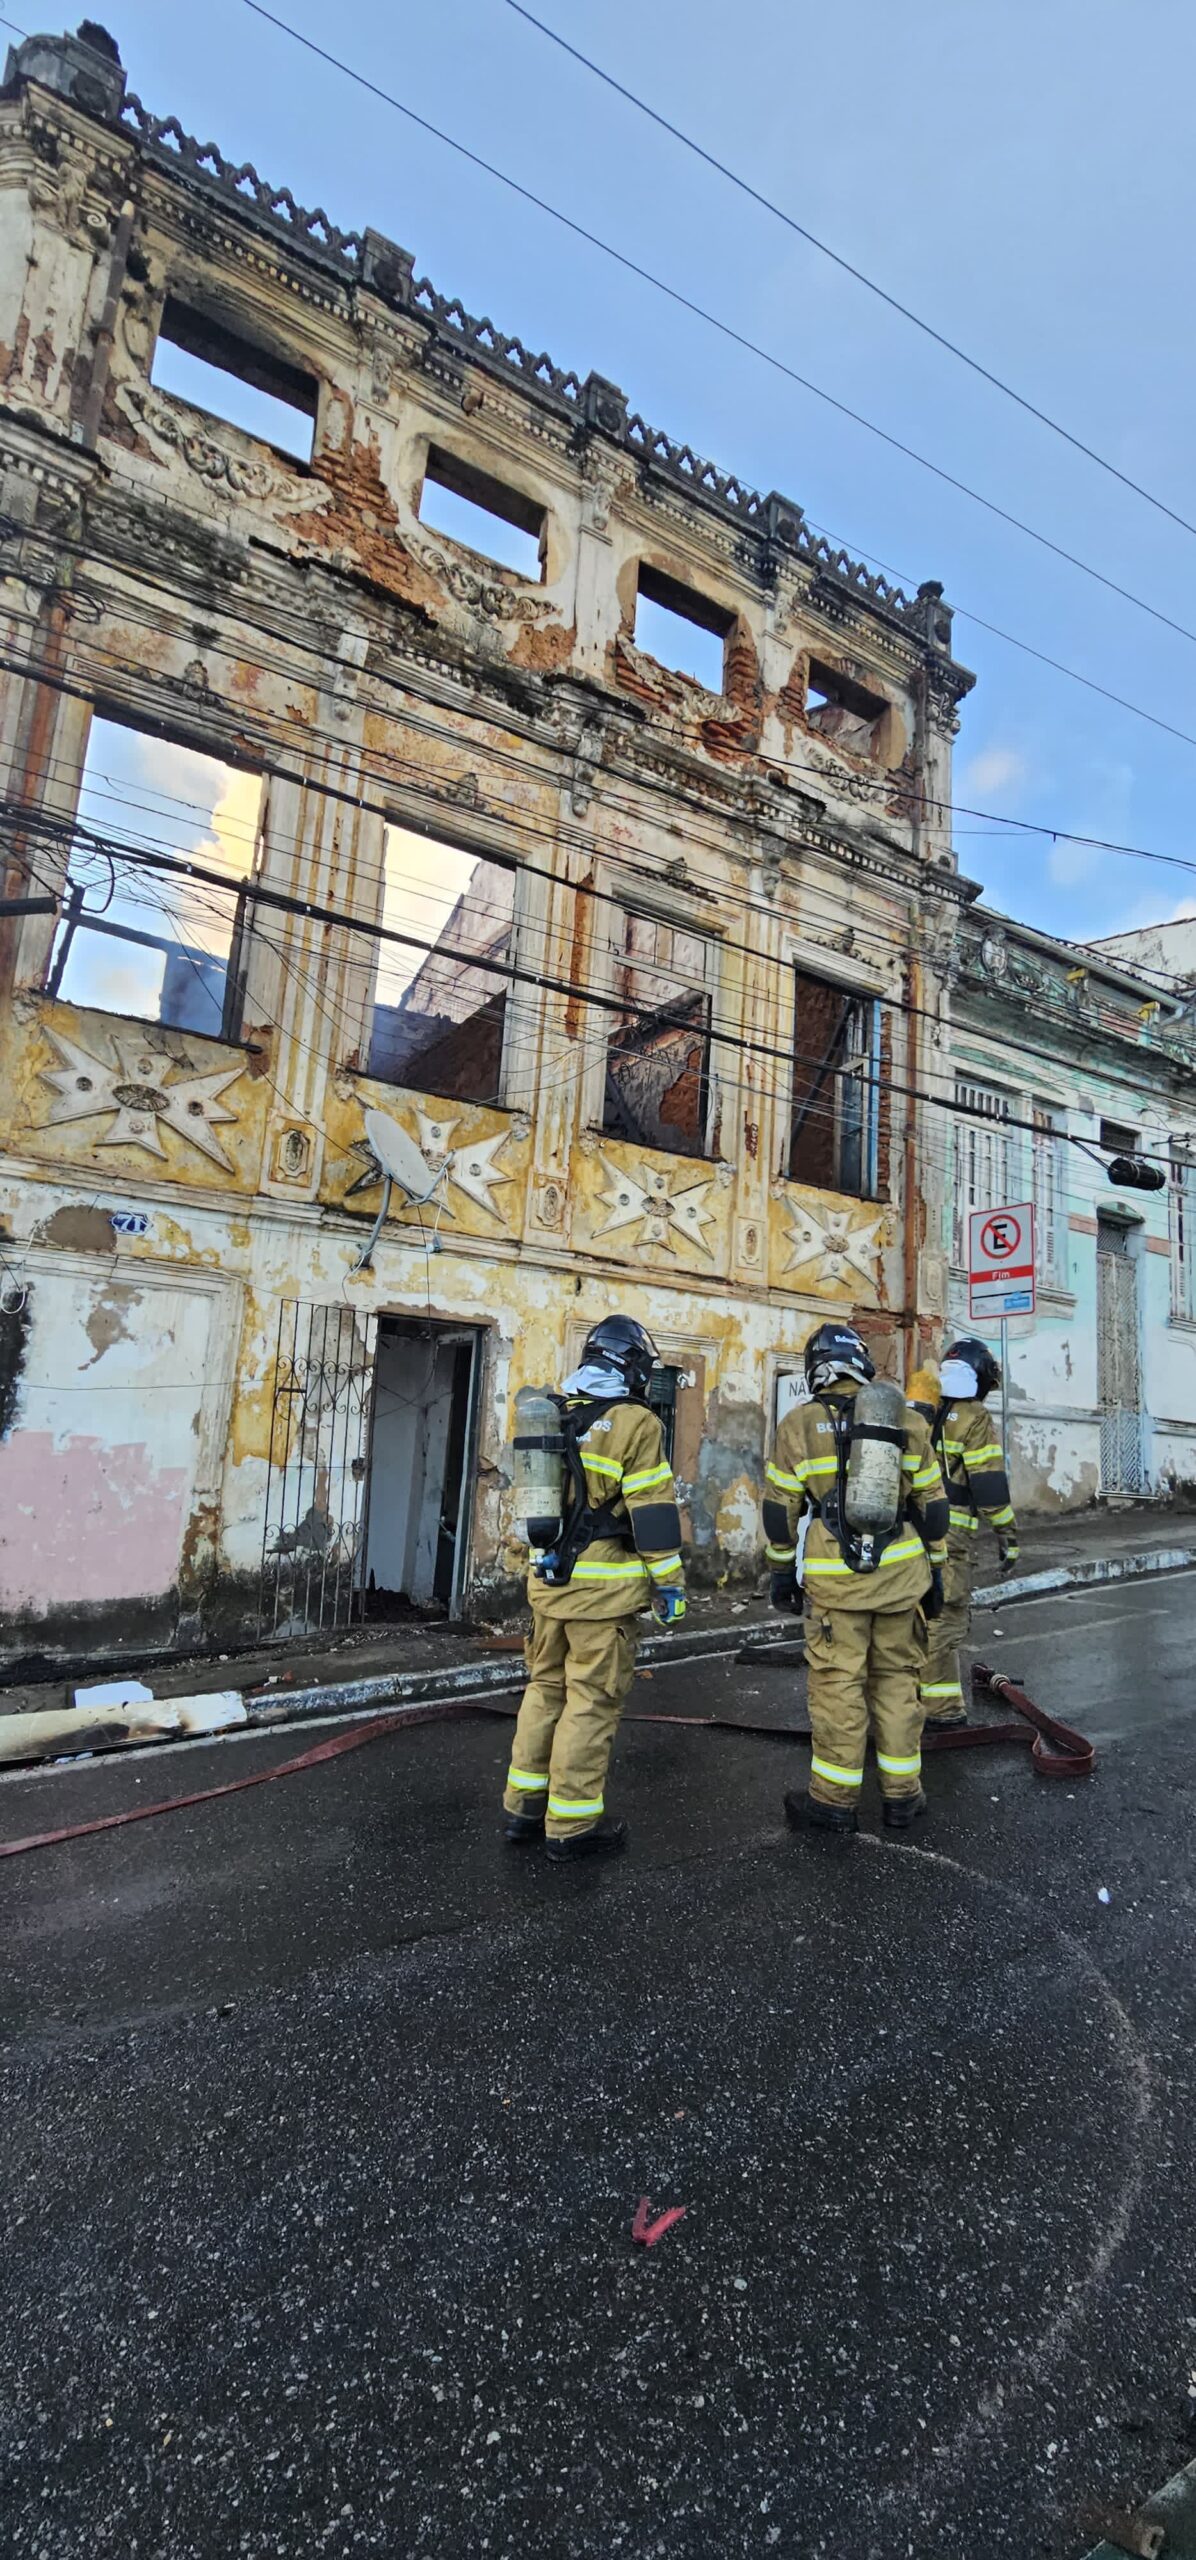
(1069, 1755)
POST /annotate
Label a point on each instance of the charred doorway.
(421, 1468)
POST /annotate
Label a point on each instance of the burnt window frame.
(867, 1080)
(235, 351)
(72, 918)
(700, 929)
(516, 1027)
(690, 605)
(496, 497)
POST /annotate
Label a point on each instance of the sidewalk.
(420, 1660)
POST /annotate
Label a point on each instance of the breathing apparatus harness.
(582, 1521)
(862, 1550)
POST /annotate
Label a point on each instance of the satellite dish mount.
(399, 1161)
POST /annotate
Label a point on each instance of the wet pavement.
(328, 2118)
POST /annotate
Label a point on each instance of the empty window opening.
(1117, 1139)
(439, 1014)
(483, 514)
(141, 941)
(419, 1472)
(843, 711)
(217, 370)
(681, 629)
(988, 1159)
(658, 1048)
(833, 1122)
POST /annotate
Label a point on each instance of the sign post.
(1001, 1279)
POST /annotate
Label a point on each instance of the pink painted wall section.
(81, 1522)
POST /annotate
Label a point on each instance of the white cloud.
(995, 769)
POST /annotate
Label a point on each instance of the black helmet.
(835, 1351)
(622, 1344)
(979, 1359)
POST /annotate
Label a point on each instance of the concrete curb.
(1164, 2525)
(1073, 1577)
(471, 1679)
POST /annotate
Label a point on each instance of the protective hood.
(958, 1380)
(595, 1379)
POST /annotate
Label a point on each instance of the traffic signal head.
(1129, 1175)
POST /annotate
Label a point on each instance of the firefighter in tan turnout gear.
(858, 1460)
(978, 1490)
(601, 1503)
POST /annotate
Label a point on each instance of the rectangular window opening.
(845, 712)
(483, 514)
(658, 1046)
(1183, 1230)
(1050, 1203)
(988, 1157)
(834, 1116)
(1118, 1139)
(682, 629)
(142, 941)
(662, 1399)
(439, 1014)
(217, 370)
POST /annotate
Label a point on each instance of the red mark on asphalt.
(650, 2232)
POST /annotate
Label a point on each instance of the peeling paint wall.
(301, 622)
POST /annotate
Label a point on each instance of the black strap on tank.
(850, 1542)
(583, 1521)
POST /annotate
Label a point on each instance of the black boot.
(804, 1812)
(523, 1826)
(945, 1724)
(604, 1839)
(901, 1812)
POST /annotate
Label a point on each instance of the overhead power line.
(779, 214)
(724, 328)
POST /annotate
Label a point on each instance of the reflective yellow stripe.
(902, 1553)
(929, 1476)
(1001, 1519)
(646, 1477)
(821, 1466)
(787, 1484)
(527, 1780)
(608, 1572)
(575, 1808)
(781, 1555)
(963, 1519)
(937, 1552)
(837, 1777)
(899, 1768)
(939, 1689)
(954, 1448)
(601, 1466)
(992, 1449)
(659, 1566)
(910, 1460)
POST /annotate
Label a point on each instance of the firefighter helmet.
(978, 1358)
(622, 1344)
(835, 1351)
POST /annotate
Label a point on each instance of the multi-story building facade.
(395, 725)
(1069, 1060)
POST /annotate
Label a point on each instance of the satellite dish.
(399, 1156)
(401, 1162)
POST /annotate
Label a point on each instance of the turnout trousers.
(864, 1667)
(941, 1685)
(579, 1673)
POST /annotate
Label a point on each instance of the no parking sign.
(1001, 1262)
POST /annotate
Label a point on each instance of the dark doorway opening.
(421, 1468)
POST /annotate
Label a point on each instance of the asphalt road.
(327, 2117)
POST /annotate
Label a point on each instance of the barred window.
(987, 1157)
(1050, 1198)
(1182, 1207)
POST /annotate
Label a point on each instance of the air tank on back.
(539, 1470)
(875, 1483)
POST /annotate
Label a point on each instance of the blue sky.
(1022, 177)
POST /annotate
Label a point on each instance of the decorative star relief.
(840, 1247)
(136, 1090)
(652, 1205)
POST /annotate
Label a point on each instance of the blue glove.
(783, 1592)
(667, 1607)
